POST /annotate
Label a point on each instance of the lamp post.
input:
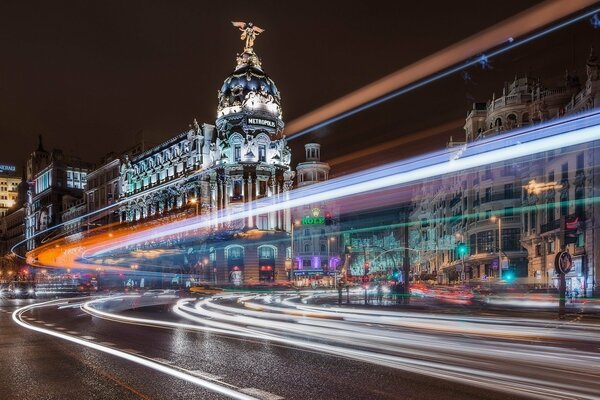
(194, 200)
(499, 219)
(292, 249)
(329, 241)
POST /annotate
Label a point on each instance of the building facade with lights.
(9, 183)
(316, 238)
(542, 204)
(57, 183)
(222, 169)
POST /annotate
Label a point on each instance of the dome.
(249, 90)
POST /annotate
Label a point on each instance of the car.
(24, 292)
(6, 293)
(205, 289)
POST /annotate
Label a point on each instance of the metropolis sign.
(7, 168)
(262, 122)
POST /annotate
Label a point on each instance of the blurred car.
(24, 292)
(206, 290)
(6, 293)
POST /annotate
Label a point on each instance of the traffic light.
(569, 230)
(509, 276)
(461, 249)
(328, 219)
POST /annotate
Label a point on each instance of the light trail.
(459, 354)
(423, 72)
(176, 373)
(514, 145)
(518, 144)
(471, 361)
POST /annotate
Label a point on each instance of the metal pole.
(292, 251)
(499, 248)
(406, 261)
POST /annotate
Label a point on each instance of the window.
(508, 191)
(564, 203)
(511, 239)
(579, 164)
(306, 247)
(306, 263)
(488, 214)
(564, 172)
(550, 216)
(485, 242)
(579, 206)
(266, 252)
(237, 152)
(538, 250)
(526, 222)
(262, 153)
(488, 195)
(508, 211)
(550, 247)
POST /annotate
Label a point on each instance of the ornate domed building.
(244, 157)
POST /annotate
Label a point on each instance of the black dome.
(243, 80)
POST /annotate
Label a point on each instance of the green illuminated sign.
(308, 220)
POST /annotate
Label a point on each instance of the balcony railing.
(550, 226)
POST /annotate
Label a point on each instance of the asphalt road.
(36, 365)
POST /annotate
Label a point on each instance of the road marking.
(49, 324)
(73, 332)
(107, 344)
(39, 322)
(89, 337)
(60, 328)
(261, 394)
(206, 375)
(162, 360)
(132, 351)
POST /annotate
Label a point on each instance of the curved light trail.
(17, 317)
(476, 351)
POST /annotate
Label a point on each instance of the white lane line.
(261, 394)
(88, 337)
(39, 322)
(230, 391)
(73, 332)
(205, 375)
(60, 328)
(111, 344)
(48, 324)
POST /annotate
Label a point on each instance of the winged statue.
(249, 33)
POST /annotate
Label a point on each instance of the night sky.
(89, 76)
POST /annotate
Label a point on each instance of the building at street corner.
(514, 218)
(316, 257)
(225, 167)
(57, 183)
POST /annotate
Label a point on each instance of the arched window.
(306, 247)
(498, 122)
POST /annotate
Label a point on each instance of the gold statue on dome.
(249, 33)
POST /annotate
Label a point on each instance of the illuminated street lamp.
(499, 219)
(194, 201)
(294, 223)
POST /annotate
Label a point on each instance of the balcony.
(550, 226)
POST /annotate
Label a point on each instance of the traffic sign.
(563, 262)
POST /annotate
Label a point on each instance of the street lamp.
(329, 241)
(194, 200)
(499, 219)
(294, 223)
